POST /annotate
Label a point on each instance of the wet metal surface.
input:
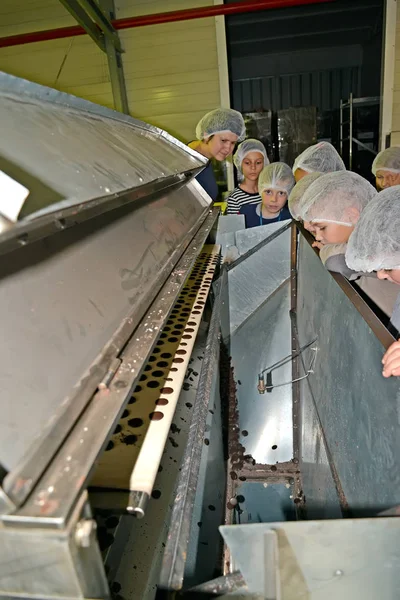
(257, 277)
(322, 560)
(204, 550)
(265, 420)
(246, 239)
(264, 502)
(81, 150)
(322, 501)
(222, 585)
(228, 225)
(357, 407)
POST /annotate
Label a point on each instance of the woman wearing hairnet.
(250, 158)
(375, 246)
(217, 134)
(321, 157)
(332, 206)
(274, 184)
(386, 168)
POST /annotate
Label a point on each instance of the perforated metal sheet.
(167, 358)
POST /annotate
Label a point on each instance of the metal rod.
(351, 132)
(102, 20)
(296, 411)
(288, 358)
(115, 65)
(81, 16)
(158, 18)
(341, 127)
(137, 504)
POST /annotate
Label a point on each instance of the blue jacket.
(253, 219)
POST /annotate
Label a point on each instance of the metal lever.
(268, 386)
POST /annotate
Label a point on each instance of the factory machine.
(174, 424)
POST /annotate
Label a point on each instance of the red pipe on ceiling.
(156, 19)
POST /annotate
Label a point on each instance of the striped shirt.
(238, 198)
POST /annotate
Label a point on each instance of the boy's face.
(274, 200)
(252, 165)
(299, 174)
(386, 179)
(309, 226)
(392, 275)
(331, 233)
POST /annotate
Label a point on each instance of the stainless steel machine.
(173, 425)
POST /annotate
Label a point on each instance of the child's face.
(299, 174)
(274, 200)
(309, 226)
(252, 165)
(392, 275)
(331, 233)
(386, 179)
(221, 145)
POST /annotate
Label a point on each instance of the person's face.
(309, 226)
(252, 165)
(386, 179)
(299, 174)
(274, 200)
(331, 233)
(221, 145)
(392, 275)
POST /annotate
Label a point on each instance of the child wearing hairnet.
(250, 158)
(331, 207)
(275, 184)
(321, 157)
(375, 246)
(217, 134)
(386, 168)
(297, 195)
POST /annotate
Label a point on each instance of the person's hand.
(317, 245)
(391, 360)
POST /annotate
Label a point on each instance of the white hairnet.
(219, 121)
(249, 145)
(331, 195)
(276, 176)
(321, 157)
(297, 193)
(387, 160)
(375, 241)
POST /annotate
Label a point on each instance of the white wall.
(171, 70)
